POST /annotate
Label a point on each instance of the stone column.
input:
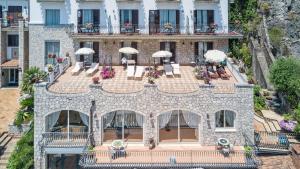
(21, 51)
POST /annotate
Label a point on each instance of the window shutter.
(162, 45)
(210, 17)
(0, 11)
(177, 18)
(196, 49)
(96, 15)
(135, 17)
(79, 17)
(195, 18)
(96, 54)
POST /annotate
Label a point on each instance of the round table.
(117, 144)
(223, 142)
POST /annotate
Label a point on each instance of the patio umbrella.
(162, 54)
(84, 51)
(215, 56)
(128, 50)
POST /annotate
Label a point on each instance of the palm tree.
(31, 76)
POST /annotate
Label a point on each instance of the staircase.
(7, 145)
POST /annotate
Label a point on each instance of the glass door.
(13, 76)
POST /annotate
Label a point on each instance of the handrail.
(61, 139)
(167, 158)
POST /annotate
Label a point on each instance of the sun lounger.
(77, 68)
(168, 70)
(130, 72)
(176, 69)
(139, 72)
(93, 69)
(213, 75)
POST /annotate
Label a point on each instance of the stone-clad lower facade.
(110, 45)
(150, 102)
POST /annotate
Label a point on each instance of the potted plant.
(59, 60)
(205, 77)
(168, 27)
(107, 72)
(150, 80)
(50, 68)
(95, 80)
(248, 151)
(50, 55)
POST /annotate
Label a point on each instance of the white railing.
(64, 139)
(58, 70)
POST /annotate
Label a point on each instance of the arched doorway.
(122, 125)
(178, 126)
(67, 121)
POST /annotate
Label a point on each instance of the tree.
(31, 76)
(285, 76)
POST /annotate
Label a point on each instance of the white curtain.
(52, 119)
(84, 119)
(107, 119)
(191, 119)
(139, 119)
(87, 16)
(229, 118)
(172, 19)
(163, 15)
(164, 118)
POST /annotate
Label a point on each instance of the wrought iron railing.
(132, 28)
(88, 28)
(169, 158)
(161, 29)
(272, 140)
(64, 139)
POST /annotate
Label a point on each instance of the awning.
(14, 64)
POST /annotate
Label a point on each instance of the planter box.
(18, 130)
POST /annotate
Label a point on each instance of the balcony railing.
(161, 29)
(169, 159)
(127, 29)
(88, 28)
(64, 139)
(273, 140)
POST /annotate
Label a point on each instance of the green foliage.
(23, 116)
(246, 56)
(285, 76)
(259, 101)
(288, 117)
(276, 34)
(248, 150)
(265, 7)
(27, 103)
(31, 76)
(22, 156)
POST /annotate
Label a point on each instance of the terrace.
(175, 156)
(186, 83)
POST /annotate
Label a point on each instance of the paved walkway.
(277, 162)
(7, 152)
(8, 106)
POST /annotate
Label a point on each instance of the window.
(88, 20)
(225, 119)
(203, 20)
(52, 17)
(129, 20)
(52, 50)
(164, 21)
(13, 40)
(201, 48)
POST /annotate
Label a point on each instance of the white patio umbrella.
(128, 50)
(162, 54)
(84, 51)
(215, 56)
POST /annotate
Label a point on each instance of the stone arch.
(113, 110)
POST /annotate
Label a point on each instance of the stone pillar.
(21, 50)
(39, 155)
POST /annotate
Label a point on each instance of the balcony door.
(13, 76)
(129, 44)
(88, 20)
(203, 20)
(201, 48)
(164, 21)
(129, 21)
(178, 126)
(171, 47)
(14, 13)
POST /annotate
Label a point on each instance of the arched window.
(225, 118)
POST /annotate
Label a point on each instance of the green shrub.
(22, 156)
(265, 7)
(27, 104)
(245, 54)
(276, 34)
(259, 101)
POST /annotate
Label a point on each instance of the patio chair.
(77, 68)
(168, 70)
(130, 71)
(213, 75)
(176, 69)
(93, 69)
(139, 72)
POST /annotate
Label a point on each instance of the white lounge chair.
(139, 72)
(176, 69)
(168, 70)
(77, 68)
(130, 72)
(93, 69)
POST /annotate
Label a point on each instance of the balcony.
(88, 29)
(172, 157)
(129, 29)
(64, 139)
(165, 29)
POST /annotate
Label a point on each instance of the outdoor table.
(223, 142)
(118, 149)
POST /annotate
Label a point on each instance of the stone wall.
(39, 34)
(203, 102)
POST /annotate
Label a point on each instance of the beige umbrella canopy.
(84, 51)
(215, 56)
(128, 51)
(162, 54)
